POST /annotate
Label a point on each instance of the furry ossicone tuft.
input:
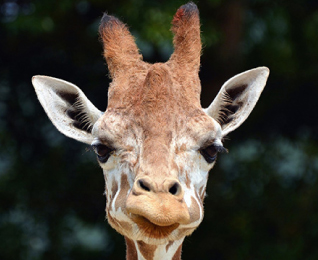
(120, 49)
(184, 13)
(187, 40)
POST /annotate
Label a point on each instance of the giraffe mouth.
(153, 230)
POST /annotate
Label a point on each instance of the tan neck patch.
(131, 250)
(147, 251)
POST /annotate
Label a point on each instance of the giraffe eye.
(102, 151)
(210, 153)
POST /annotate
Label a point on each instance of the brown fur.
(188, 181)
(187, 41)
(148, 251)
(131, 249)
(133, 78)
(185, 61)
(120, 49)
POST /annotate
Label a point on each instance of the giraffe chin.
(152, 230)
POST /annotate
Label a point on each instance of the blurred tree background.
(263, 195)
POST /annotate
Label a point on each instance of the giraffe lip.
(159, 209)
(151, 229)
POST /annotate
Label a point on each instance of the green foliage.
(262, 201)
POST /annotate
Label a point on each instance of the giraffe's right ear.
(67, 107)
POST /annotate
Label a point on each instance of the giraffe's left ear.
(67, 107)
(237, 98)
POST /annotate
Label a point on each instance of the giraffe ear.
(237, 98)
(67, 107)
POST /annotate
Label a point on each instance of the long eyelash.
(89, 149)
(221, 149)
(225, 138)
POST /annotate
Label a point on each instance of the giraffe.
(155, 143)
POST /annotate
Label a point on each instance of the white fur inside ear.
(67, 107)
(237, 98)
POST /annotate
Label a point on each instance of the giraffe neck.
(138, 250)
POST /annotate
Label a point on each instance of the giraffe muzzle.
(160, 202)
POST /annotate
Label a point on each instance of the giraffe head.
(155, 143)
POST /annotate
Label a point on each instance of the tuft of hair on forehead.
(187, 40)
(120, 49)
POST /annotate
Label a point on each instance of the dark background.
(262, 197)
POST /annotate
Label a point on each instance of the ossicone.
(187, 40)
(120, 49)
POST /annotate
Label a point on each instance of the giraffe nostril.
(147, 186)
(175, 189)
(144, 185)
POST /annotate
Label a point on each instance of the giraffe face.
(154, 142)
(156, 175)
(156, 147)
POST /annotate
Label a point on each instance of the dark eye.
(102, 151)
(210, 153)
